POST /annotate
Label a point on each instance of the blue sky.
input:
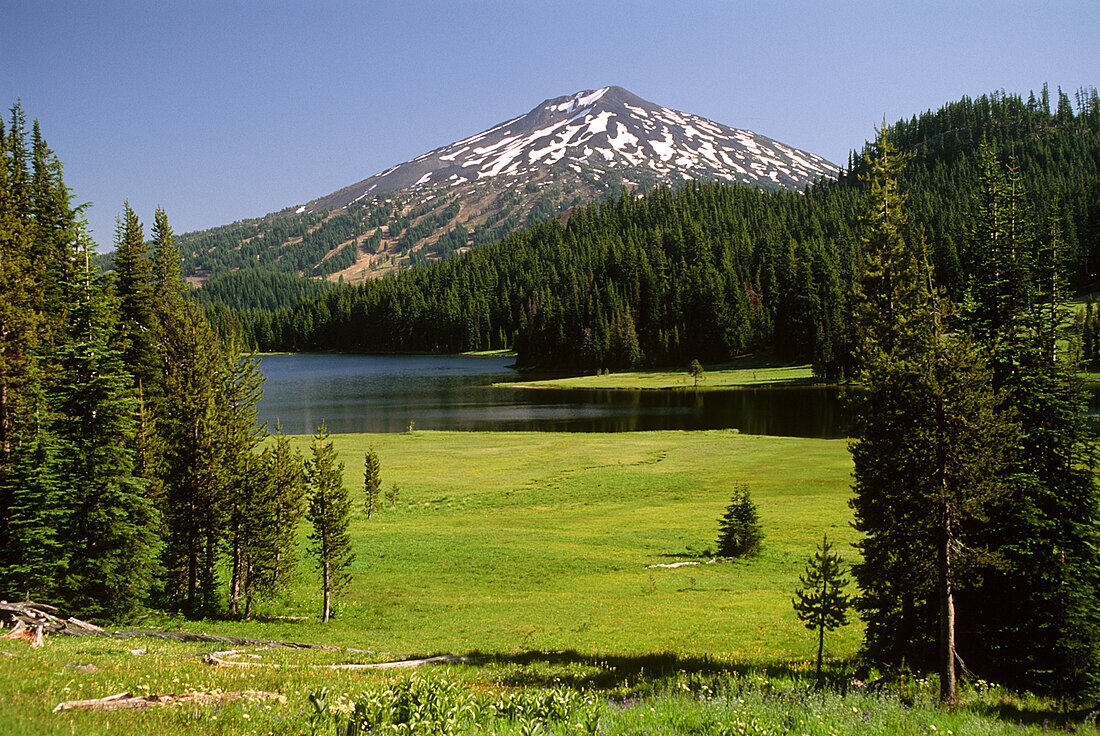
(230, 109)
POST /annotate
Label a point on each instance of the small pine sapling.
(820, 602)
(392, 495)
(372, 481)
(739, 530)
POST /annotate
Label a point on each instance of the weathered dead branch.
(223, 659)
(123, 701)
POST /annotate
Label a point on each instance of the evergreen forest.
(132, 469)
(708, 271)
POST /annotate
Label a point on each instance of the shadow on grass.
(1067, 720)
(616, 672)
(646, 674)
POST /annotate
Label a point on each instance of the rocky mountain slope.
(566, 151)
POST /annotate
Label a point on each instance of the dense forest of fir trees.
(132, 469)
(975, 479)
(708, 271)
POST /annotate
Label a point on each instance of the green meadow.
(720, 378)
(536, 557)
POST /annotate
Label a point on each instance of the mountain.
(566, 151)
(610, 133)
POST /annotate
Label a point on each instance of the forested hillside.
(711, 271)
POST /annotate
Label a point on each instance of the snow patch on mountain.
(607, 131)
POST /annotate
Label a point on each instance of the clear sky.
(224, 109)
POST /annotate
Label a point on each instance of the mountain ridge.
(566, 151)
(595, 109)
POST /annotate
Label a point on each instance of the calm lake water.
(370, 393)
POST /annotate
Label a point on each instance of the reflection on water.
(356, 393)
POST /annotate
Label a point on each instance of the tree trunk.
(947, 616)
(327, 591)
(944, 583)
(192, 567)
(820, 650)
(238, 567)
(5, 423)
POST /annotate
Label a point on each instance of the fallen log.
(45, 617)
(123, 701)
(239, 641)
(222, 659)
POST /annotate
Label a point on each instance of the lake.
(372, 393)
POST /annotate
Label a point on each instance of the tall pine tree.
(329, 515)
(928, 445)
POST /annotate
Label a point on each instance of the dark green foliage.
(134, 286)
(76, 524)
(268, 505)
(110, 534)
(739, 530)
(259, 289)
(929, 445)
(1047, 530)
(250, 510)
(195, 476)
(973, 462)
(821, 603)
(129, 450)
(329, 515)
(286, 471)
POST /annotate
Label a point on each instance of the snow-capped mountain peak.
(604, 134)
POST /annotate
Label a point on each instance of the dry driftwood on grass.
(124, 701)
(222, 659)
(40, 619)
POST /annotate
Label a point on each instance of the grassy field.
(532, 554)
(720, 378)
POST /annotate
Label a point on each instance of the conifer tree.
(739, 530)
(928, 447)
(109, 532)
(372, 481)
(695, 370)
(329, 515)
(194, 465)
(38, 511)
(821, 603)
(37, 242)
(250, 510)
(280, 500)
(1036, 608)
(134, 286)
(20, 320)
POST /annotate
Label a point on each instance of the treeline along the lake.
(709, 271)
